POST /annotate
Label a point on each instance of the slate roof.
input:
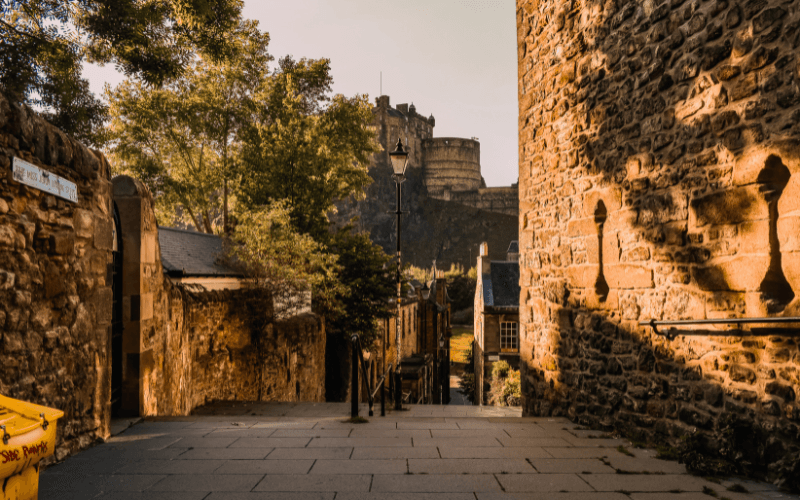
(189, 253)
(501, 284)
(513, 247)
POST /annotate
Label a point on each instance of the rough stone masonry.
(660, 179)
(182, 346)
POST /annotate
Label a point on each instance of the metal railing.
(673, 332)
(358, 361)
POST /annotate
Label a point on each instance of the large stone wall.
(659, 179)
(185, 346)
(504, 200)
(55, 292)
(181, 346)
(452, 164)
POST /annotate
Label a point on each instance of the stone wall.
(452, 164)
(504, 200)
(185, 346)
(55, 292)
(659, 162)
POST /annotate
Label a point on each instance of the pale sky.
(455, 59)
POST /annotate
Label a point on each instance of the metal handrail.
(358, 359)
(672, 333)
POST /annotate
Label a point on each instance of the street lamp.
(399, 159)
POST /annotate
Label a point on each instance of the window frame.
(509, 330)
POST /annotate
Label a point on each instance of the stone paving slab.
(645, 482)
(470, 466)
(271, 442)
(444, 483)
(270, 495)
(316, 482)
(543, 482)
(553, 496)
(252, 452)
(172, 467)
(224, 454)
(403, 452)
(310, 453)
(391, 466)
(572, 465)
(298, 467)
(208, 482)
(405, 496)
(487, 452)
(359, 442)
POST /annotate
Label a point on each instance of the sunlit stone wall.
(659, 179)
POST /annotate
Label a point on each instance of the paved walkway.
(308, 451)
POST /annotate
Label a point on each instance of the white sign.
(494, 358)
(31, 175)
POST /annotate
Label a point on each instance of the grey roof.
(189, 253)
(513, 247)
(501, 285)
(395, 113)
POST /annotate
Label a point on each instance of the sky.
(454, 59)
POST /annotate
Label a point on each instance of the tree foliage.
(304, 146)
(44, 42)
(367, 283)
(181, 139)
(266, 245)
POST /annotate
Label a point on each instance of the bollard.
(398, 388)
(383, 397)
(354, 388)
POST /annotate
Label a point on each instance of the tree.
(181, 139)
(44, 42)
(304, 146)
(279, 259)
(367, 282)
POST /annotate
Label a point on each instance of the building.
(451, 166)
(425, 339)
(496, 319)
(660, 180)
(193, 258)
(449, 211)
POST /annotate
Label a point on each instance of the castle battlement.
(451, 166)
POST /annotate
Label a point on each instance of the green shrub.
(500, 370)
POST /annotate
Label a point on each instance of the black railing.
(672, 332)
(358, 361)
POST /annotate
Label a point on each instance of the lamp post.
(399, 159)
(441, 369)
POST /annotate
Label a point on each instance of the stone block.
(628, 276)
(789, 202)
(730, 207)
(83, 221)
(103, 234)
(753, 160)
(788, 234)
(612, 199)
(584, 276)
(742, 274)
(582, 227)
(790, 262)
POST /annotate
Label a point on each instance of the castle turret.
(452, 164)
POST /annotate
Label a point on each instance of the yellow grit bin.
(28, 434)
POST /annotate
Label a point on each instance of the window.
(509, 342)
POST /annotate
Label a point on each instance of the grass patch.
(460, 342)
(356, 420)
(624, 451)
(737, 488)
(708, 491)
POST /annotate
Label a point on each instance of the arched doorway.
(116, 318)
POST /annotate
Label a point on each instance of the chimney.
(382, 101)
(484, 265)
(403, 108)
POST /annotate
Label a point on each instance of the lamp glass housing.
(399, 159)
(441, 342)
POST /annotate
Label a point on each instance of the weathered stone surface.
(708, 92)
